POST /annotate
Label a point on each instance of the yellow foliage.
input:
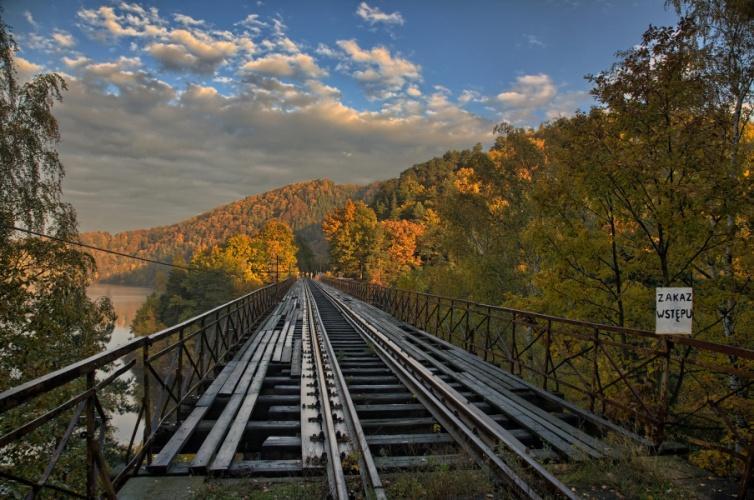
(465, 181)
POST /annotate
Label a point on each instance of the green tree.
(46, 319)
(726, 29)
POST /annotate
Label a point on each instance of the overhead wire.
(113, 252)
(105, 250)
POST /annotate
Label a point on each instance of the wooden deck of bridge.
(210, 435)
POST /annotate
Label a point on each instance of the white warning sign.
(674, 310)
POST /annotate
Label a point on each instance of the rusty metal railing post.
(437, 317)
(202, 339)
(146, 403)
(216, 340)
(469, 332)
(664, 401)
(746, 478)
(487, 340)
(595, 369)
(91, 475)
(548, 355)
(416, 308)
(513, 349)
(179, 376)
(451, 326)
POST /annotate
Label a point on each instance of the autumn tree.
(278, 247)
(726, 29)
(352, 232)
(395, 252)
(220, 274)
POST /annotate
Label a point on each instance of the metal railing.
(65, 416)
(667, 387)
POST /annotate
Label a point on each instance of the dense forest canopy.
(220, 274)
(585, 216)
(302, 206)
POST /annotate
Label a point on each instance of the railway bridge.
(352, 382)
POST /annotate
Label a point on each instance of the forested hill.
(302, 206)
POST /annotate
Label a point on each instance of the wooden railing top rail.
(732, 350)
(22, 393)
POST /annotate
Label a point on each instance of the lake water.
(126, 301)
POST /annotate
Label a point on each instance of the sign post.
(673, 311)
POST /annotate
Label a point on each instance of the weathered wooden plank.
(246, 376)
(284, 426)
(235, 377)
(526, 420)
(278, 352)
(556, 432)
(414, 462)
(288, 347)
(488, 377)
(213, 440)
(540, 423)
(409, 439)
(266, 467)
(208, 397)
(177, 441)
(228, 448)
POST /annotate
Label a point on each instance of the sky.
(176, 107)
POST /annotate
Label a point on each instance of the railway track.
(329, 385)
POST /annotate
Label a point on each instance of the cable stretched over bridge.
(92, 247)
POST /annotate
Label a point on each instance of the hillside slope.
(301, 205)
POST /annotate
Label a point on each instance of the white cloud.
(534, 97)
(321, 89)
(26, 69)
(63, 39)
(285, 65)
(413, 92)
(187, 20)
(134, 22)
(30, 19)
(324, 50)
(530, 91)
(138, 156)
(200, 92)
(380, 73)
(374, 15)
(468, 96)
(192, 51)
(252, 23)
(188, 48)
(534, 41)
(75, 62)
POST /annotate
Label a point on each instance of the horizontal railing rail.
(668, 387)
(56, 431)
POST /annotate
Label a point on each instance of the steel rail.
(336, 477)
(370, 476)
(466, 420)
